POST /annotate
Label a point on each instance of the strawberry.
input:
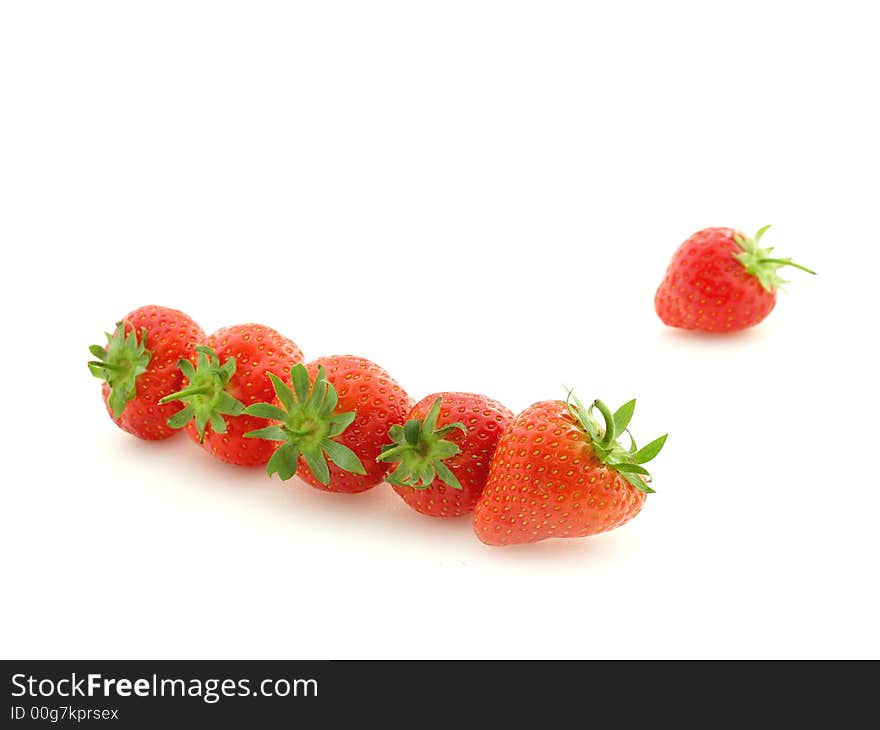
(442, 465)
(720, 280)
(332, 424)
(231, 371)
(558, 473)
(139, 367)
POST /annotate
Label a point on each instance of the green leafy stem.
(308, 425)
(604, 437)
(206, 398)
(759, 262)
(419, 450)
(120, 363)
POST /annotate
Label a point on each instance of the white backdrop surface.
(479, 196)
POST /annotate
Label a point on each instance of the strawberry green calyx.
(419, 450)
(626, 461)
(205, 398)
(119, 364)
(308, 426)
(759, 262)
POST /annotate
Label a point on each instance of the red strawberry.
(333, 423)
(232, 371)
(443, 452)
(139, 368)
(720, 280)
(557, 473)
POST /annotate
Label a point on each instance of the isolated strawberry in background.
(331, 425)
(440, 457)
(229, 372)
(720, 280)
(558, 472)
(139, 367)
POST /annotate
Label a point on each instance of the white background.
(478, 196)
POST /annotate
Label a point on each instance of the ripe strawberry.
(139, 368)
(720, 280)
(340, 409)
(557, 473)
(232, 370)
(442, 465)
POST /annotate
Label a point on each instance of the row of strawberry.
(344, 424)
